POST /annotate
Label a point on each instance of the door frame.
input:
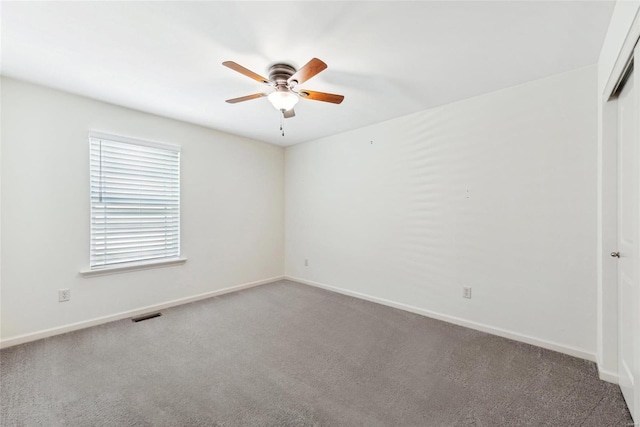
(607, 292)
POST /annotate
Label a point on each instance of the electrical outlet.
(466, 292)
(306, 262)
(64, 295)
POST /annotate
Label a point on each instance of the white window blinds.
(135, 201)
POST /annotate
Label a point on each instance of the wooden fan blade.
(246, 72)
(246, 98)
(289, 113)
(309, 70)
(321, 96)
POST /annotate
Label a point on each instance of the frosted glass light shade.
(282, 100)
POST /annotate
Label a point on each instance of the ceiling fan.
(285, 80)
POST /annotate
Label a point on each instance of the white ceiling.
(388, 58)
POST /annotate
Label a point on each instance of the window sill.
(132, 267)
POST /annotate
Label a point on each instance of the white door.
(628, 252)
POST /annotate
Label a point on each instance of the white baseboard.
(21, 339)
(572, 351)
(604, 375)
(608, 376)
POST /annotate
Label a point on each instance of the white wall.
(232, 211)
(496, 192)
(619, 40)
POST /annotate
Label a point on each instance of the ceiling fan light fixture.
(283, 78)
(283, 100)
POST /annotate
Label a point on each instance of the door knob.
(615, 254)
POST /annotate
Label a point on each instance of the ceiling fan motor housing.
(279, 74)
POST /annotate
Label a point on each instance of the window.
(135, 202)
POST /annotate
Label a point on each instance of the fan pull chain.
(282, 122)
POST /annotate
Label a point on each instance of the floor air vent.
(145, 317)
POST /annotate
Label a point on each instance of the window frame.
(117, 267)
